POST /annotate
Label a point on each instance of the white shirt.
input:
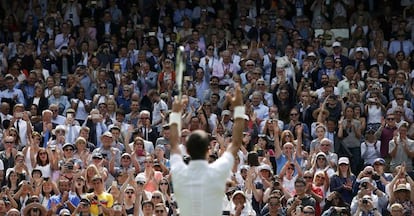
(261, 111)
(199, 186)
(156, 113)
(60, 120)
(22, 129)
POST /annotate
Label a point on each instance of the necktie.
(17, 126)
(272, 72)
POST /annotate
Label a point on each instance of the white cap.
(140, 178)
(265, 167)
(359, 49)
(336, 44)
(343, 160)
(311, 54)
(225, 112)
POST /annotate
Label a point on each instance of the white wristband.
(239, 112)
(175, 118)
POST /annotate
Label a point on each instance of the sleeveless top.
(374, 115)
(46, 170)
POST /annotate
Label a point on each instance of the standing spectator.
(401, 44)
(301, 197)
(343, 181)
(401, 149)
(385, 133)
(159, 109)
(350, 133)
(62, 39)
(370, 149)
(63, 200)
(101, 201)
(12, 95)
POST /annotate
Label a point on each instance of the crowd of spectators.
(86, 87)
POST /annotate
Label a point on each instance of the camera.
(376, 177)
(364, 201)
(364, 185)
(117, 208)
(276, 184)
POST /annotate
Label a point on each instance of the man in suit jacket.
(382, 64)
(42, 37)
(97, 127)
(148, 132)
(45, 126)
(106, 28)
(65, 61)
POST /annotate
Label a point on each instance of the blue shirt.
(56, 199)
(282, 160)
(11, 93)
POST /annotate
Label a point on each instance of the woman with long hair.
(320, 131)
(321, 180)
(72, 86)
(47, 190)
(90, 172)
(165, 188)
(111, 109)
(31, 150)
(343, 180)
(167, 75)
(46, 162)
(12, 180)
(79, 186)
(82, 151)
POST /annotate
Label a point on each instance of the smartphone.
(150, 34)
(117, 67)
(226, 213)
(260, 152)
(188, 78)
(19, 115)
(46, 178)
(95, 116)
(140, 152)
